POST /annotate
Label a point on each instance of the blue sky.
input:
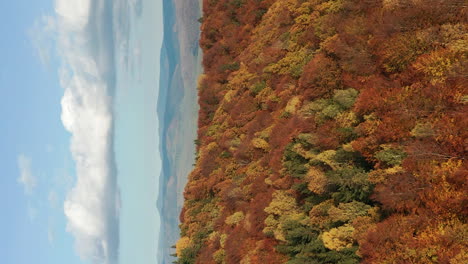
(33, 226)
(68, 157)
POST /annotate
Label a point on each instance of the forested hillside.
(330, 132)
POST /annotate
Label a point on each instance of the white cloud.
(41, 35)
(74, 13)
(26, 178)
(86, 115)
(90, 206)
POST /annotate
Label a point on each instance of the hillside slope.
(330, 131)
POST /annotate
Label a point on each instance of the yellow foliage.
(192, 226)
(370, 125)
(348, 147)
(235, 218)
(309, 138)
(265, 133)
(235, 142)
(378, 176)
(229, 95)
(347, 212)
(422, 130)
(374, 214)
(303, 19)
(433, 239)
(219, 256)
(305, 8)
(283, 207)
(212, 208)
(345, 98)
(211, 146)
(438, 64)
(214, 130)
(329, 6)
(201, 77)
(241, 78)
(274, 226)
(264, 34)
(219, 116)
(327, 158)
(461, 98)
(317, 180)
(339, 238)
(182, 243)
(260, 143)
(205, 150)
(291, 5)
(445, 188)
(292, 63)
(292, 105)
(460, 258)
(213, 236)
(448, 167)
(301, 151)
(264, 95)
(254, 170)
(329, 43)
(283, 203)
(222, 240)
(347, 119)
(455, 37)
(325, 109)
(271, 224)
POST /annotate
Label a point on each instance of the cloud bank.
(86, 49)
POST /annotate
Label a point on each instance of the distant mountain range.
(178, 113)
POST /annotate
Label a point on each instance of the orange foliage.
(404, 59)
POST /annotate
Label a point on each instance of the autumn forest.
(330, 131)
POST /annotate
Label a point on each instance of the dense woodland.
(330, 131)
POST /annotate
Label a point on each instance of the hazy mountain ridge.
(177, 110)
